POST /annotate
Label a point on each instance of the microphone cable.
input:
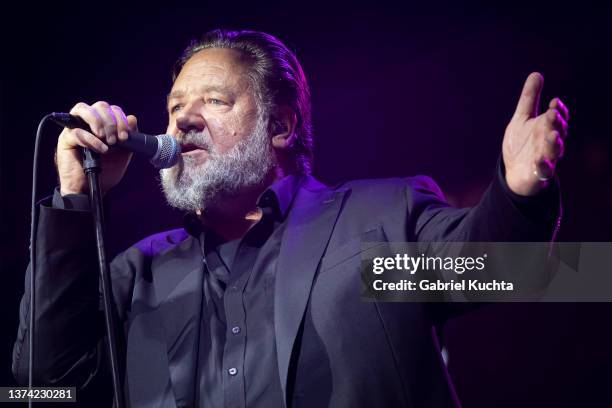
(33, 224)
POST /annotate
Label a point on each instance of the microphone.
(163, 151)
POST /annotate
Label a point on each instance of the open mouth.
(190, 147)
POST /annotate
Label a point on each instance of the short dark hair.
(276, 74)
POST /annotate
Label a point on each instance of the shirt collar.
(281, 193)
(278, 197)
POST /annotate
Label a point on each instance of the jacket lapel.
(178, 286)
(310, 224)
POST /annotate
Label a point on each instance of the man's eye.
(175, 108)
(214, 101)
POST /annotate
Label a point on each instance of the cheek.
(227, 131)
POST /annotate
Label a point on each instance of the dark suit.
(373, 353)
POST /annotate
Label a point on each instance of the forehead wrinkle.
(224, 75)
(242, 85)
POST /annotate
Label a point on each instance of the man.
(256, 302)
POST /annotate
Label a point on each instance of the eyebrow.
(208, 88)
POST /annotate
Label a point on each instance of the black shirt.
(237, 364)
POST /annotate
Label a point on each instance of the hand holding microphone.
(97, 127)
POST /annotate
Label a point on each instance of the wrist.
(66, 189)
(525, 187)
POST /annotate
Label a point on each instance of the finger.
(530, 96)
(553, 147)
(108, 119)
(132, 123)
(122, 122)
(85, 139)
(91, 117)
(557, 104)
(544, 170)
(554, 121)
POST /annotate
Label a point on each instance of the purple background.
(396, 92)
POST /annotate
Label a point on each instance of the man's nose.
(190, 118)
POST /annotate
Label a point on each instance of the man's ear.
(282, 128)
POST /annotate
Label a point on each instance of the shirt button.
(235, 329)
(232, 371)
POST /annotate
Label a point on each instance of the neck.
(232, 217)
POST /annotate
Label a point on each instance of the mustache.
(198, 139)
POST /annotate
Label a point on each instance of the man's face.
(213, 113)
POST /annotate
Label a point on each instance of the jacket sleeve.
(500, 215)
(69, 322)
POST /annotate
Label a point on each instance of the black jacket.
(378, 354)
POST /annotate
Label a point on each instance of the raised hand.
(533, 144)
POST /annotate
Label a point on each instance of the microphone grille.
(168, 152)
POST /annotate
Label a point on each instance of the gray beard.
(190, 187)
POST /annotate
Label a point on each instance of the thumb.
(530, 96)
(132, 123)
